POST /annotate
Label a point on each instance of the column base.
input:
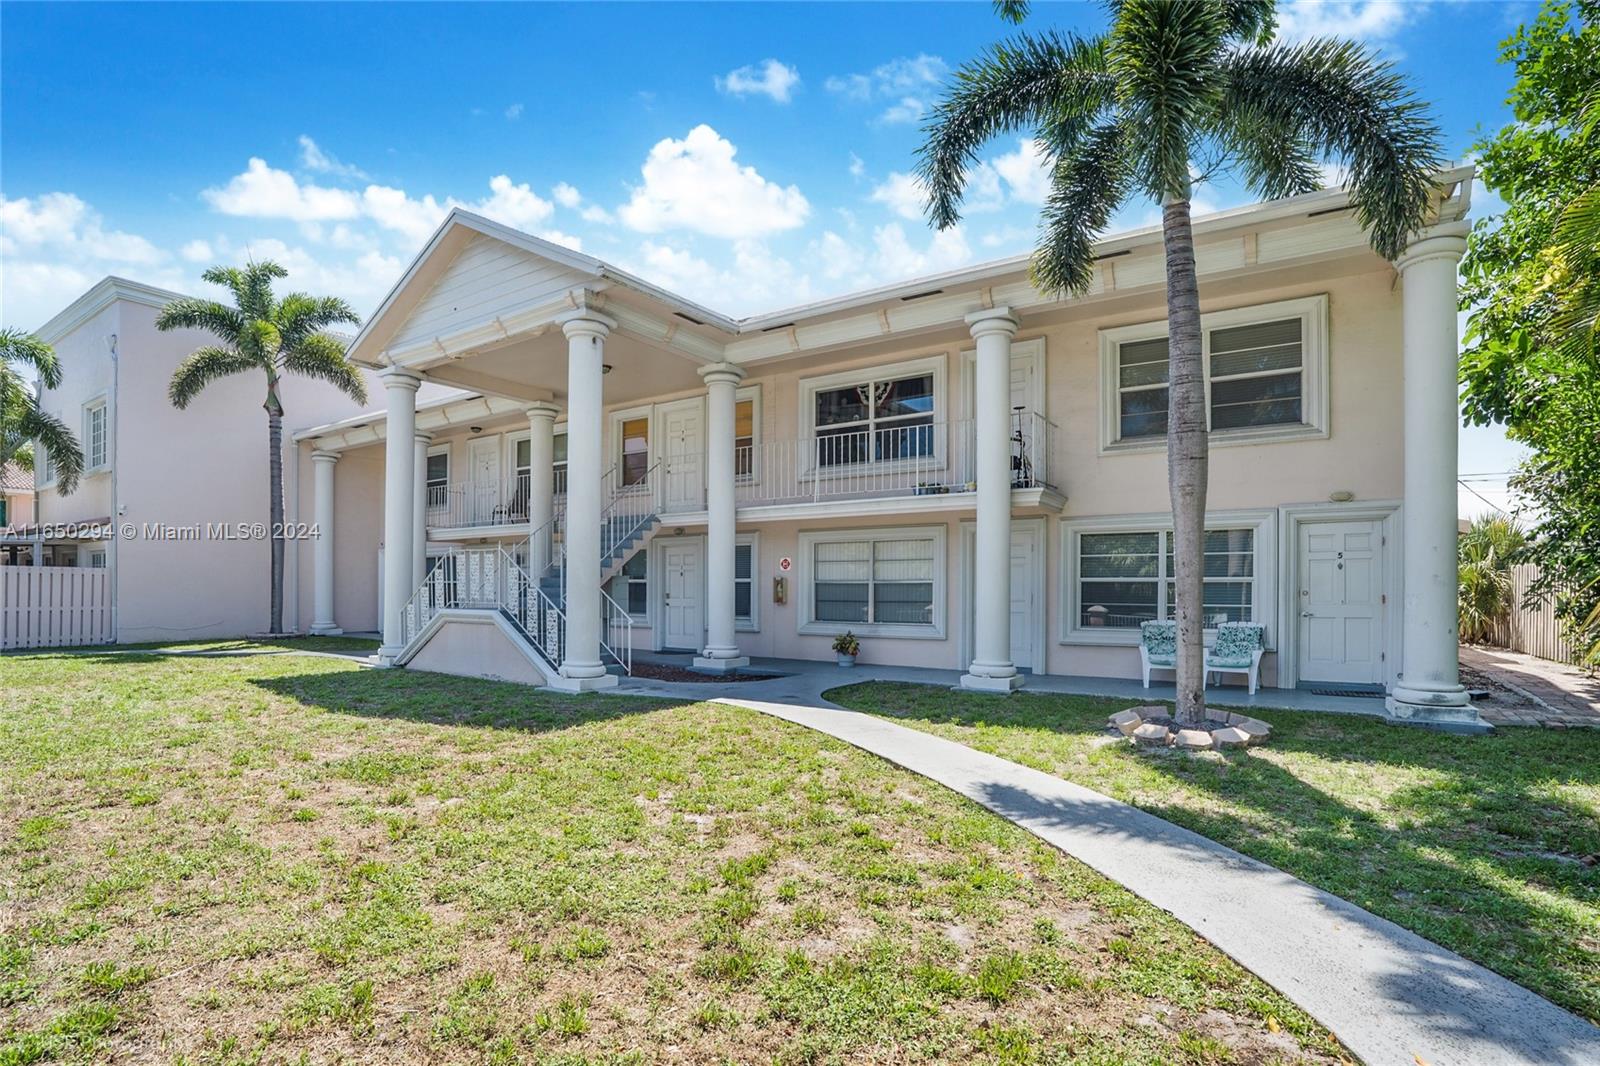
(324, 629)
(1435, 710)
(985, 683)
(562, 683)
(388, 653)
(717, 665)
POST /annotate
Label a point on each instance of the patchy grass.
(1487, 845)
(287, 858)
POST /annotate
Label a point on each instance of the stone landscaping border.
(1241, 731)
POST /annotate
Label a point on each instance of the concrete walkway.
(1389, 995)
(1553, 695)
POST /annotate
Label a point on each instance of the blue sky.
(747, 156)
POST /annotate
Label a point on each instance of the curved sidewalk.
(1390, 996)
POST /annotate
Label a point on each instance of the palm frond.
(1086, 187)
(1049, 80)
(300, 316)
(1276, 161)
(52, 434)
(1351, 106)
(202, 367)
(25, 349)
(1012, 11)
(322, 357)
(189, 312)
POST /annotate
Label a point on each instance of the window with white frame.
(1266, 370)
(744, 584)
(558, 464)
(94, 435)
(630, 588)
(41, 460)
(887, 580)
(1126, 577)
(97, 559)
(744, 439)
(438, 477)
(878, 415)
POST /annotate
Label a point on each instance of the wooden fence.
(1536, 631)
(54, 606)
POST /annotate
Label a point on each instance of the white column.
(992, 669)
(1429, 689)
(322, 622)
(541, 487)
(586, 348)
(419, 511)
(399, 483)
(722, 650)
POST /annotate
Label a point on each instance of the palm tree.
(272, 336)
(1488, 550)
(21, 422)
(1170, 87)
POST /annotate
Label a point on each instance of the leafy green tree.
(22, 423)
(1487, 551)
(1169, 88)
(1531, 280)
(262, 333)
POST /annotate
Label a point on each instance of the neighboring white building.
(963, 472)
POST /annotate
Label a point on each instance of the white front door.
(1341, 602)
(683, 444)
(1027, 592)
(682, 594)
(483, 490)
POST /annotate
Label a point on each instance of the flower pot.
(846, 660)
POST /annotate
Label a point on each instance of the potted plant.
(846, 647)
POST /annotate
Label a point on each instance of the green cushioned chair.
(1158, 648)
(1237, 650)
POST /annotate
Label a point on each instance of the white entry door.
(682, 594)
(1027, 593)
(1341, 602)
(683, 444)
(483, 455)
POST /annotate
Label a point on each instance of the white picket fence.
(54, 606)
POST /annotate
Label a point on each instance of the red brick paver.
(1551, 694)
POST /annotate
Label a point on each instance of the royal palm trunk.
(1187, 445)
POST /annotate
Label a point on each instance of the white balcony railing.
(479, 503)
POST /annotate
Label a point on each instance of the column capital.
(583, 321)
(722, 373)
(320, 456)
(1446, 240)
(398, 377)
(541, 409)
(422, 436)
(992, 320)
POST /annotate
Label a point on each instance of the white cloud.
(908, 109)
(1334, 174)
(312, 157)
(895, 258)
(566, 240)
(896, 78)
(596, 213)
(695, 184)
(392, 209)
(769, 78)
(264, 192)
(858, 166)
(758, 279)
(566, 195)
(515, 205)
(1374, 21)
(1026, 171)
(904, 194)
(839, 258)
(363, 281)
(197, 251)
(513, 112)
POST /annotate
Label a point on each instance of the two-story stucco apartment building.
(962, 471)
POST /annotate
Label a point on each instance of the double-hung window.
(744, 586)
(630, 587)
(558, 463)
(887, 580)
(876, 419)
(744, 439)
(438, 478)
(1126, 577)
(95, 442)
(1266, 370)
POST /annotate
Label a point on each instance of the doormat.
(1366, 692)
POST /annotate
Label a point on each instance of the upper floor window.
(635, 450)
(744, 439)
(881, 414)
(1266, 375)
(558, 463)
(438, 476)
(94, 435)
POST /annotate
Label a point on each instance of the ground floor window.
(1126, 577)
(744, 585)
(97, 559)
(874, 581)
(630, 588)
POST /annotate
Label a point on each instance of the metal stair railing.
(489, 579)
(632, 508)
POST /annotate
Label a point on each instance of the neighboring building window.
(1125, 578)
(885, 581)
(1265, 373)
(438, 477)
(875, 420)
(630, 587)
(744, 583)
(744, 439)
(559, 463)
(97, 560)
(635, 450)
(94, 435)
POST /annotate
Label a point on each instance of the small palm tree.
(1488, 550)
(1176, 86)
(272, 336)
(22, 424)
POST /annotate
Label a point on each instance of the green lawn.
(1488, 845)
(287, 858)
